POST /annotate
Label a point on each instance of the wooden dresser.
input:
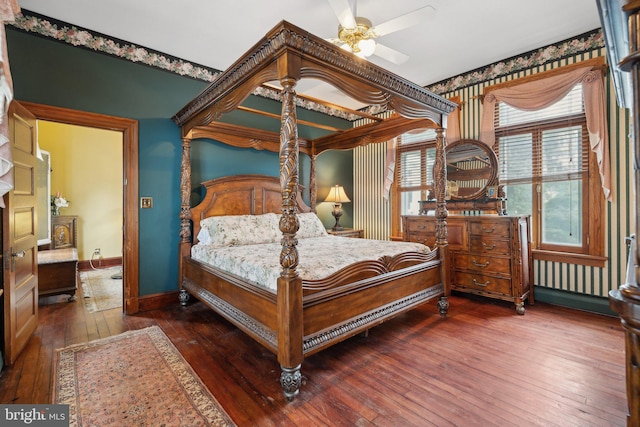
(490, 254)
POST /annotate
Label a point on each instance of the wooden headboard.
(241, 195)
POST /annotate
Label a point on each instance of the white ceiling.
(462, 36)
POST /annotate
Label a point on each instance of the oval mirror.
(471, 167)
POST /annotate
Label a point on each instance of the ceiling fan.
(358, 34)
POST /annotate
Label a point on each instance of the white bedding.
(319, 257)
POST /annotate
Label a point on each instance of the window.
(544, 160)
(415, 157)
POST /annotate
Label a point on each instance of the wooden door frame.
(129, 129)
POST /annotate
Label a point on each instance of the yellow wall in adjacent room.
(87, 169)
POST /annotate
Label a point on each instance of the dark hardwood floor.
(482, 366)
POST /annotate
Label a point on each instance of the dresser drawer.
(421, 226)
(494, 229)
(490, 246)
(423, 230)
(481, 282)
(482, 264)
(424, 238)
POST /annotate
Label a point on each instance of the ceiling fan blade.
(404, 21)
(339, 43)
(343, 11)
(390, 55)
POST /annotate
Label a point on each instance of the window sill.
(569, 258)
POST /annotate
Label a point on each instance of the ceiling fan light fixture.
(353, 37)
(367, 47)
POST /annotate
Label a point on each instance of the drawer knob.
(475, 282)
(488, 230)
(477, 264)
(487, 247)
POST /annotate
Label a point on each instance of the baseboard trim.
(159, 300)
(574, 300)
(85, 265)
(550, 296)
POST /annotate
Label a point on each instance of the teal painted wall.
(49, 72)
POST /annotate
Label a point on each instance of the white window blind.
(414, 168)
(544, 165)
(549, 144)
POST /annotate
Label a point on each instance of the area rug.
(100, 290)
(137, 378)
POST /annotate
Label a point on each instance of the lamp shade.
(337, 195)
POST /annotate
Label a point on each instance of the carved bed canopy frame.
(287, 54)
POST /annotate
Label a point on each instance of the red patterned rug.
(137, 378)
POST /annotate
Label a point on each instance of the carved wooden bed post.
(185, 212)
(289, 283)
(440, 172)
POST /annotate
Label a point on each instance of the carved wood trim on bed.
(354, 273)
(305, 318)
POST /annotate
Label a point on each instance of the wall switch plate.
(146, 202)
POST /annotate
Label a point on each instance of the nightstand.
(348, 232)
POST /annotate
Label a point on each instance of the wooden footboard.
(334, 309)
(335, 314)
(251, 308)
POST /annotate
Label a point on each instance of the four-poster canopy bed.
(301, 308)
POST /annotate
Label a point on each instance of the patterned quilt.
(319, 257)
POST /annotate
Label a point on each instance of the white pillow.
(203, 235)
(236, 230)
(310, 226)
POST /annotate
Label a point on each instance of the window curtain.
(389, 167)
(453, 126)
(8, 10)
(452, 134)
(541, 93)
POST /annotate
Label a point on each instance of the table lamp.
(337, 196)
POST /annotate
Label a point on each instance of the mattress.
(319, 257)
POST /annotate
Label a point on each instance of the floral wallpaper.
(76, 36)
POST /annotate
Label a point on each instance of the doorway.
(129, 130)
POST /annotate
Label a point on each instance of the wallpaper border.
(64, 32)
(573, 46)
(31, 22)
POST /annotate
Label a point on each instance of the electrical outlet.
(96, 251)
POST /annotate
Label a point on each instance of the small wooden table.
(347, 232)
(58, 272)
